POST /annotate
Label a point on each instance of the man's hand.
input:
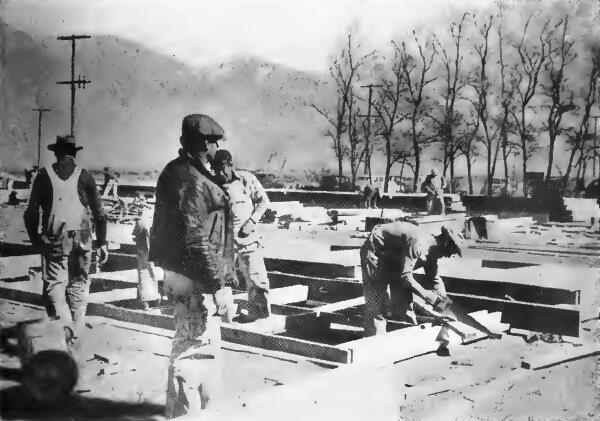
(223, 299)
(102, 254)
(247, 228)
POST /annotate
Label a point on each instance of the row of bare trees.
(493, 87)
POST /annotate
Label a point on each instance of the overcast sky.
(300, 34)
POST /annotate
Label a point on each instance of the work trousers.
(435, 205)
(146, 290)
(194, 375)
(398, 303)
(66, 285)
(251, 271)
(111, 187)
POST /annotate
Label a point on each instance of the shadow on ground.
(16, 405)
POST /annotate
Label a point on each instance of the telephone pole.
(79, 82)
(40, 112)
(367, 167)
(595, 152)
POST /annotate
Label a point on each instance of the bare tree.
(482, 86)
(356, 135)
(507, 90)
(455, 82)
(387, 107)
(579, 135)
(526, 81)
(561, 97)
(466, 142)
(414, 71)
(344, 73)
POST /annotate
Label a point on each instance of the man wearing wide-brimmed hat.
(66, 194)
(388, 257)
(192, 240)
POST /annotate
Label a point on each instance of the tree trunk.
(469, 174)
(417, 167)
(552, 136)
(388, 163)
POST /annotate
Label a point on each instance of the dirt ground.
(480, 381)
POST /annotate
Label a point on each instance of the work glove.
(437, 301)
(50, 245)
(223, 299)
(247, 228)
(102, 254)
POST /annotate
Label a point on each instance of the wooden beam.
(319, 289)
(291, 345)
(560, 319)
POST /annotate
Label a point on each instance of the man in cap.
(65, 193)
(146, 291)
(434, 186)
(388, 257)
(192, 240)
(248, 201)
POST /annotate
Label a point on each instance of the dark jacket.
(41, 199)
(192, 233)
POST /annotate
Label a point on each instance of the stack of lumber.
(586, 210)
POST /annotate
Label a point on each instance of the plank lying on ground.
(540, 250)
(113, 295)
(291, 345)
(564, 353)
(319, 289)
(129, 315)
(247, 334)
(13, 267)
(23, 296)
(310, 268)
(560, 319)
(283, 295)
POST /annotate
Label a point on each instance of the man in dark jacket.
(65, 193)
(192, 240)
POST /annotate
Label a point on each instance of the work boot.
(443, 350)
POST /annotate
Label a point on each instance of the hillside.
(130, 115)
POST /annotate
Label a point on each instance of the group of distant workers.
(433, 186)
(204, 234)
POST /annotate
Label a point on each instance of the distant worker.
(248, 202)
(64, 193)
(111, 184)
(433, 187)
(28, 176)
(146, 291)
(388, 257)
(13, 200)
(191, 239)
(367, 195)
(375, 196)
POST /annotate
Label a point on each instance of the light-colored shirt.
(248, 201)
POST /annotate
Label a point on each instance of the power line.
(40, 112)
(79, 83)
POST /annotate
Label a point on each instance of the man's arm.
(95, 204)
(260, 200)
(198, 257)
(31, 217)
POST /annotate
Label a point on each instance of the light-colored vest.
(66, 205)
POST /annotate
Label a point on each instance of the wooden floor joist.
(559, 319)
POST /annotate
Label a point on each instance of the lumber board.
(560, 319)
(560, 353)
(282, 295)
(319, 288)
(291, 345)
(311, 268)
(130, 315)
